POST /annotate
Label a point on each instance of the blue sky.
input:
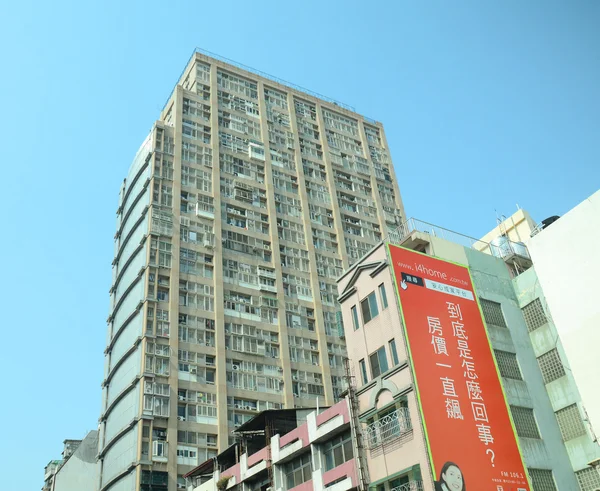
(485, 105)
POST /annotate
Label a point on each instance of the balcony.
(409, 486)
(388, 428)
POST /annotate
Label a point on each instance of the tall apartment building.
(241, 208)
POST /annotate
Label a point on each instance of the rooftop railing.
(269, 77)
(500, 247)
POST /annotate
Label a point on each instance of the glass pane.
(373, 305)
(382, 359)
(364, 305)
(375, 371)
(329, 461)
(348, 451)
(338, 455)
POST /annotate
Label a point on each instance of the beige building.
(247, 200)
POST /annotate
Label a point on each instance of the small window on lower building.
(383, 297)
(551, 366)
(298, 471)
(394, 352)
(525, 423)
(570, 422)
(378, 361)
(542, 480)
(363, 371)
(368, 307)
(355, 322)
(492, 312)
(338, 450)
(534, 315)
(588, 479)
(508, 364)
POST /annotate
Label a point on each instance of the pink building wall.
(408, 450)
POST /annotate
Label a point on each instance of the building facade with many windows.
(241, 208)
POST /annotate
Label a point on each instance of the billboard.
(470, 437)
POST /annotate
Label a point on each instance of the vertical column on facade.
(110, 329)
(373, 178)
(339, 228)
(399, 202)
(174, 294)
(288, 397)
(221, 352)
(314, 277)
(143, 334)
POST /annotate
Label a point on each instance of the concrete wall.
(80, 472)
(492, 281)
(562, 392)
(567, 263)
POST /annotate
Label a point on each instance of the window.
(383, 297)
(589, 479)
(542, 480)
(298, 471)
(363, 371)
(393, 351)
(378, 362)
(159, 448)
(369, 308)
(570, 422)
(534, 315)
(525, 422)
(355, 322)
(492, 312)
(156, 480)
(338, 450)
(508, 365)
(551, 366)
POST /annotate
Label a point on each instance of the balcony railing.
(409, 486)
(389, 427)
(500, 247)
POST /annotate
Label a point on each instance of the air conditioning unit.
(207, 243)
(237, 406)
(236, 367)
(181, 398)
(193, 370)
(248, 408)
(180, 486)
(180, 418)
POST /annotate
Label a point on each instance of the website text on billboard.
(467, 425)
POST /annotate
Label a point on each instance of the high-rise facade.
(242, 207)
